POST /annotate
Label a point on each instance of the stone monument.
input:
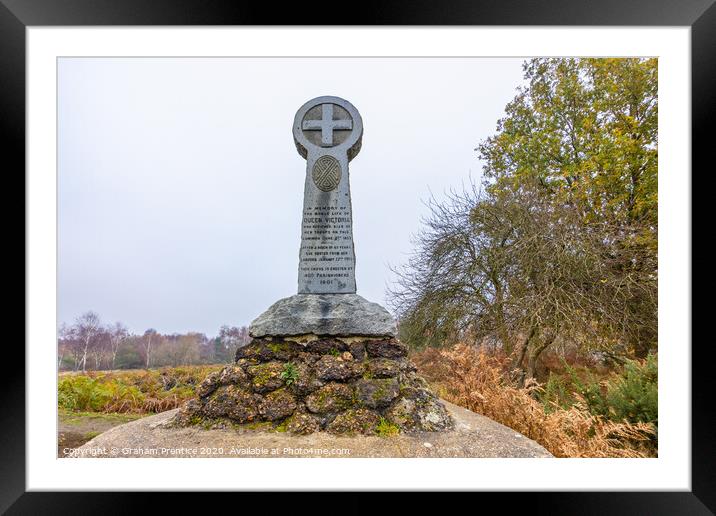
(325, 358)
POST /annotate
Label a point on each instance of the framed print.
(435, 248)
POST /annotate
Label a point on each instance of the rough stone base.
(344, 385)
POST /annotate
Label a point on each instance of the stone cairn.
(325, 359)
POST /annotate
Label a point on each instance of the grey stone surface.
(327, 132)
(473, 436)
(324, 314)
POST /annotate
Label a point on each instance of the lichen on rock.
(386, 348)
(277, 405)
(343, 385)
(332, 397)
(377, 393)
(330, 368)
(302, 423)
(266, 377)
(383, 368)
(233, 402)
(354, 421)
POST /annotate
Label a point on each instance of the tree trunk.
(84, 359)
(536, 352)
(500, 317)
(149, 350)
(520, 357)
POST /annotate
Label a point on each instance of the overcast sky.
(181, 191)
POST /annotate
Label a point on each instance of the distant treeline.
(90, 344)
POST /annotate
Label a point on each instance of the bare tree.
(100, 348)
(516, 267)
(233, 337)
(150, 337)
(87, 329)
(117, 333)
(62, 346)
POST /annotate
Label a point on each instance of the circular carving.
(326, 173)
(327, 122)
(327, 125)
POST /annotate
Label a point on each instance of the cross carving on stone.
(327, 125)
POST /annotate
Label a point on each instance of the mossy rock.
(355, 421)
(304, 357)
(331, 368)
(326, 346)
(357, 349)
(306, 383)
(409, 380)
(277, 405)
(302, 423)
(332, 397)
(402, 413)
(209, 384)
(267, 350)
(383, 368)
(266, 377)
(232, 374)
(418, 409)
(233, 402)
(324, 383)
(378, 392)
(390, 348)
(186, 413)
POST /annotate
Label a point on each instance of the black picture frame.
(17, 15)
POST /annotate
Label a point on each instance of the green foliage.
(634, 395)
(629, 395)
(144, 391)
(92, 394)
(334, 352)
(587, 129)
(556, 393)
(591, 390)
(290, 373)
(386, 429)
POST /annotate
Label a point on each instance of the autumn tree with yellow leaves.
(559, 241)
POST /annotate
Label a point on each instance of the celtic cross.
(327, 125)
(328, 133)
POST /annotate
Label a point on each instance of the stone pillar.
(327, 132)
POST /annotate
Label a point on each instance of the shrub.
(629, 395)
(139, 391)
(556, 394)
(478, 382)
(590, 389)
(633, 396)
(88, 394)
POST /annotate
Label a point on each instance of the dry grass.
(478, 382)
